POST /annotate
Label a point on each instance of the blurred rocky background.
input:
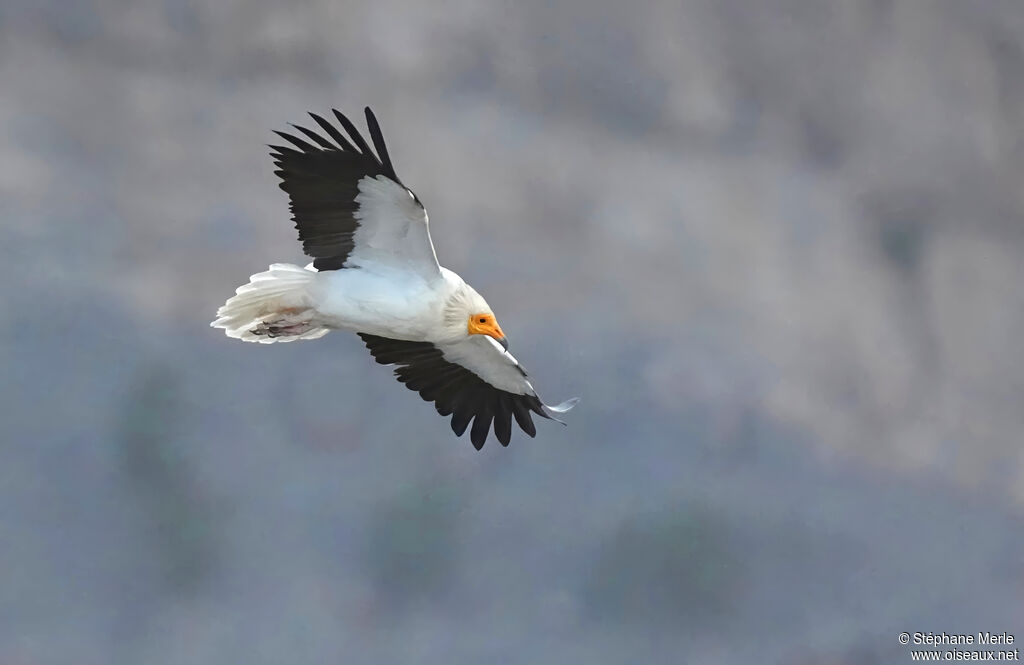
(777, 247)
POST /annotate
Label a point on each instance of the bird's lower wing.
(471, 380)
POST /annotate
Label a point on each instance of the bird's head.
(468, 314)
(484, 323)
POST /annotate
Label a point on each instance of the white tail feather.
(275, 306)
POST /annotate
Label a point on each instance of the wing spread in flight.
(474, 379)
(348, 204)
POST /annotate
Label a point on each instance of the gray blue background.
(776, 246)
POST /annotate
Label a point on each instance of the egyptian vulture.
(374, 272)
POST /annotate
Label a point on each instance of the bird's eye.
(483, 320)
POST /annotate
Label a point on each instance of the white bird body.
(375, 273)
(384, 301)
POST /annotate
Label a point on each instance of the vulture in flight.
(374, 272)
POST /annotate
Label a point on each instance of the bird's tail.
(275, 306)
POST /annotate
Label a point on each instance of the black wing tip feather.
(313, 136)
(297, 142)
(354, 144)
(353, 133)
(378, 140)
(503, 420)
(333, 132)
(457, 391)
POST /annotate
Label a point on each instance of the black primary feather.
(455, 390)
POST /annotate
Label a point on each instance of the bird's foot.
(292, 324)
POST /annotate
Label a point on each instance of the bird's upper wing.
(474, 379)
(348, 204)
